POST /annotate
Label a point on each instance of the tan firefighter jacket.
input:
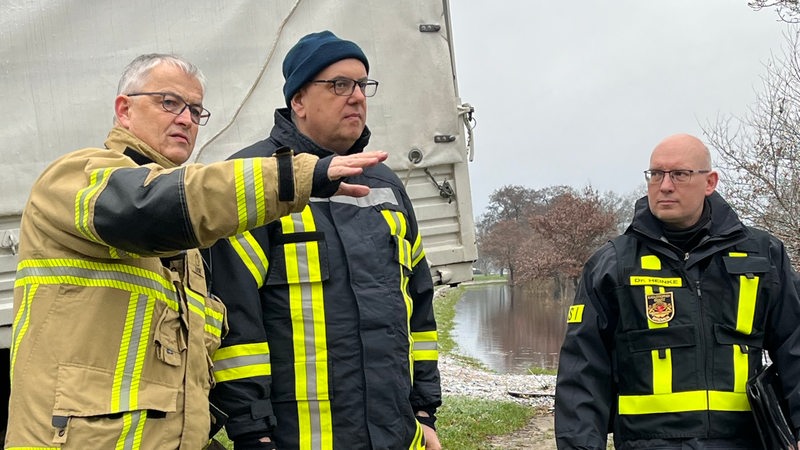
(113, 326)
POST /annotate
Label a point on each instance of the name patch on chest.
(660, 307)
(637, 280)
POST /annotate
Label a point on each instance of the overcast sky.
(580, 92)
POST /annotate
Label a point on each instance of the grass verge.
(465, 423)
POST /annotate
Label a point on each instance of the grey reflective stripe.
(376, 196)
(96, 274)
(240, 361)
(309, 340)
(137, 420)
(251, 204)
(83, 199)
(252, 257)
(214, 322)
(134, 338)
(425, 345)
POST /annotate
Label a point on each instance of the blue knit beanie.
(313, 53)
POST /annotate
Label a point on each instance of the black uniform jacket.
(331, 320)
(660, 343)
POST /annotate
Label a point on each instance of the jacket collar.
(121, 140)
(287, 133)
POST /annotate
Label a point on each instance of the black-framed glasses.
(346, 86)
(176, 105)
(678, 175)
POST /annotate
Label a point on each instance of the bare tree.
(760, 153)
(788, 10)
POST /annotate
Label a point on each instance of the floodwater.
(511, 329)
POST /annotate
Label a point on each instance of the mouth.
(353, 116)
(180, 137)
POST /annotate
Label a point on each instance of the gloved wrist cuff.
(322, 186)
(253, 442)
(429, 421)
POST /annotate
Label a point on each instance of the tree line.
(548, 233)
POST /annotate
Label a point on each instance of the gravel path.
(458, 379)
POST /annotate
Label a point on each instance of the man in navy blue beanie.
(332, 340)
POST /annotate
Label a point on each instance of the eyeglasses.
(176, 105)
(677, 176)
(346, 86)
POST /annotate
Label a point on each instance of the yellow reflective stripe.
(745, 315)
(639, 280)
(213, 322)
(417, 253)
(728, 401)
(195, 302)
(418, 442)
(397, 227)
(306, 304)
(425, 336)
(250, 205)
(575, 314)
(748, 291)
(662, 367)
(683, 402)
(85, 273)
(82, 200)
(737, 254)
(21, 322)
(130, 437)
(426, 347)
(197, 305)
(130, 360)
(651, 262)
(241, 361)
(252, 255)
(235, 351)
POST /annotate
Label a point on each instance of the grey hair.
(135, 74)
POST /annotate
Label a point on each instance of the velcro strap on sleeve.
(285, 174)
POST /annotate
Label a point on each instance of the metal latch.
(10, 240)
(445, 190)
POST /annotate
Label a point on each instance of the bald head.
(685, 148)
(676, 199)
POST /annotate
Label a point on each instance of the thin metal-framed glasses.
(176, 105)
(678, 175)
(346, 86)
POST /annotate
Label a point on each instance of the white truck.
(60, 61)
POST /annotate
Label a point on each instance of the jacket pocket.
(661, 338)
(168, 338)
(754, 265)
(726, 335)
(298, 258)
(83, 391)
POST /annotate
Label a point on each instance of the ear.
(297, 104)
(122, 107)
(711, 182)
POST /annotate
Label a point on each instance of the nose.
(184, 118)
(357, 95)
(667, 184)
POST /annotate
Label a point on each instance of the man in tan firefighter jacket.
(332, 327)
(113, 326)
(672, 317)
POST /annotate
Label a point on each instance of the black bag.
(766, 401)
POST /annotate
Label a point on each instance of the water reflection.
(511, 329)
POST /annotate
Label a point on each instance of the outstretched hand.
(350, 165)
